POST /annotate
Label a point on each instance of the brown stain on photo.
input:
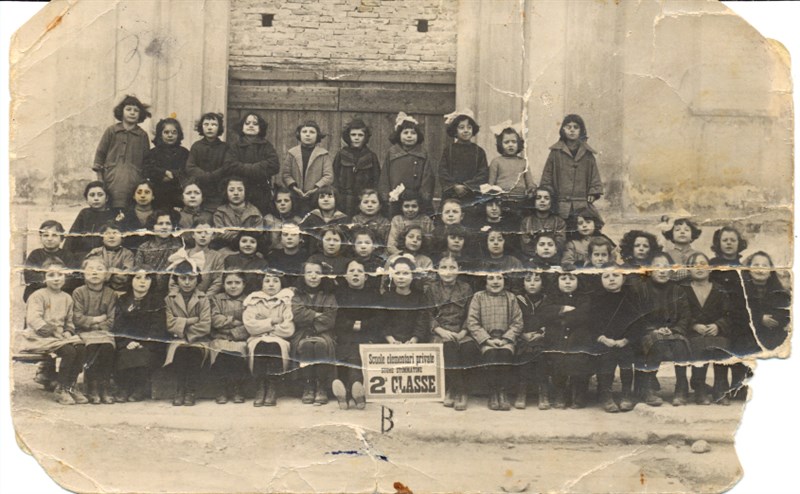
(401, 489)
(641, 478)
(54, 23)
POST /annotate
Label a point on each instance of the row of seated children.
(124, 157)
(311, 318)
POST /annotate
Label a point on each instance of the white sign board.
(403, 372)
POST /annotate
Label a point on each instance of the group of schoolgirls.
(224, 256)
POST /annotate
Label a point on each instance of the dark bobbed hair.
(692, 259)
(148, 271)
(313, 124)
(174, 218)
(452, 128)
(447, 257)
(227, 274)
(91, 185)
(456, 230)
(402, 242)
(110, 225)
(696, 231)
(185, 268)
(55, 225)
(337, 229)
(158, 140)
(590, 214)
(54, 261)
(626, 245)
(224, 187)
(403, 260)
(715, 242)
(292, 194)
(508, 131)
(665, 255)
(249, 233)
(363, 230)
(573, 118)
(146, 182)
(219, 117)
(410, 195)
(553, 197)
(394, 137)
(356, 124)
(262, 124)
(131, 100)
(327, 189)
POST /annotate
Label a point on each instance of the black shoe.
(189, 399)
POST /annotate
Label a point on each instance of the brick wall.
(368, 35)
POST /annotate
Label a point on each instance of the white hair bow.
(402, 117)
(448, 119)
(197, 260)
(498, 129)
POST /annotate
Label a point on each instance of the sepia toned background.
(730, 146)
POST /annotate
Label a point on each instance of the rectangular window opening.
(422, 25)
(266, 20)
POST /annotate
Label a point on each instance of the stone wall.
(364, 35)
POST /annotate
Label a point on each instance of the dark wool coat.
(660, 305)
(356, 305)
(408, 316)
(532, 324)
(84, 234)
(141, 321)
(157, 162)
(773, 300)
(130, 223)
(448, 306)
(353, 171)
(209, 163)
(314, 313)
(255, 160)
(410, 167)
(463, 163)
(743, 340)
(614, 316)
(119, 159)
(714, 311)
(574, 178)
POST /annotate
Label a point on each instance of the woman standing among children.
(463, 168)
(448, 299)
(406, 166)
(210, 158)
(255, 160)
(189, 323)
(50, 328)
(356, 166)
(121, 151)
(165, 164)
(495, 321)
(571, 170)
(268, 319)
(308, 166)
(83, 234)
(314, 313)
(140, 330)
(95, 305)
(229, 338)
